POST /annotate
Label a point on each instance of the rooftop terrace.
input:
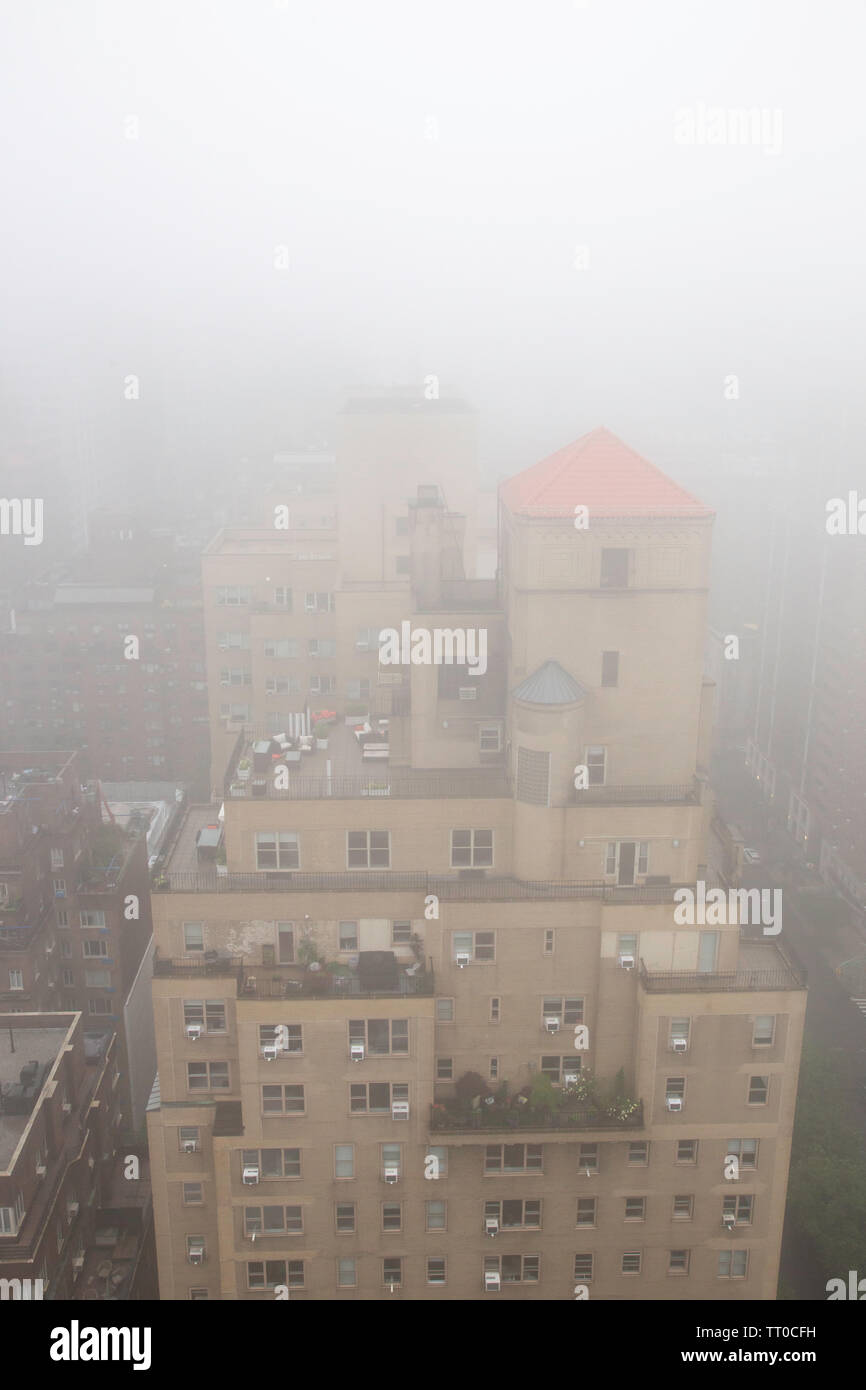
(18, 1047)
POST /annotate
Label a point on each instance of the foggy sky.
(307, 126)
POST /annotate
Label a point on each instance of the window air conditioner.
(77, 1261)
(73, 1208)
(41, 1170)
(196, 1254)
(626, 962)
(270, 1052)
(190, 1146)
(491, 1225)
(357, 1052)
(193, 1031)
(251, 1177)
(570, 1078)
(392, 1174)
(491, 1283)
(729, 1221)
(66, 1108)
(400, 1110)
(674, 1103)
(552, 1025)
(679, 1044)
(462, 959)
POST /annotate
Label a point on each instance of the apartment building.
(435, 1029)
(74, 1211)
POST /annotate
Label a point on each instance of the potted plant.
(221, 867)
(244, 770)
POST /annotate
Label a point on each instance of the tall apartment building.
(433, 1030)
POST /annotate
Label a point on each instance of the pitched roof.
(602, 473)
(549, 685)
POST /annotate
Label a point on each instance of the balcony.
(294, 982)
(504, 1119)
(761, 966)
(676, 794)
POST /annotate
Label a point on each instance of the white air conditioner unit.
(41, 1170)
(190, 1146)
(357, 1052)
(269, 1052)
(729, 1221)
(552, 1025)
(250, 1177)
(196, 1254)
(467, 692)
(392, 1174)
(66, 1108)
(77, 1261)
(225, 682)
(679, 1044)
(400, 1110)
(570, 1078)
(491, 1225)
(491, 1282)
(674, 1103)
(626, 962)
(73, 1208)
(193, 1032)
(462, 959)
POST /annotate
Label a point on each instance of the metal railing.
(499, 1121)
(384, 781)
(684, 794)
(785, 976)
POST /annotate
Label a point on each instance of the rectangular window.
(368, 849)
(193, 1194)
(596, 759)
(764, 1030)
(679, 1033)
(631, 1262)
(345, 1216)
(273, 1163)
(392, 1272)
(283, 598)
(746, 1150)
(740, 1207)
(678, 1261)
(57, 859)
(94, 949)
(277, 849)
(401, 933)
(683, 1207)
(759, 1090)
(444, 1069)
(232, 595)
(587, 1158)
(16, 979)
(348, 936)
(586, 1211)
(435, 1269)
(285, 943)
(187, 1134)
(68, 978)
(281, 648)
(346, 1274)
(610, 668)
(733, 1264)
(687, 1151)
(97, 979)
(376, 1097)
(638, 1153)
(567, 1010)
(436, 1212)
(614, 568)
(274, 1221)
(515, 1213)
(583, 1268)
(493, 1069)
(478, 945)
(514, 1269)
(392, 1216)
(513, 1158)
(489, 738)
(286, 1037)
(282, 1100)
(494, 1009)
(270, 1274)
(344, 1160)
(193, 937)
(381, 1036)
(99, 1007)
(549, 941)
(207, 1076)
(444, 1010)
(471, 849)
(92, 918)
(635, 1209)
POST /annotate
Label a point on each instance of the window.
(635, 1209)
(436, 1213)
(193, 1194)
(92, 919)
(444, 1010)
(367, 639)
(277, 648)
(687, 1151)
(188, 1134)
(512, 1214)
(435, 1269)
(321, 646)
(568, 1010)
(631, 1262)
(62, 917)
(94, 948)
(97, 1007)
(97, 979)
(583, 1268)
(514, 1269)
(489, 738)
(639, 1153)
(444, 1069)
(371, 1097)
(237, 640)
(494, 1009)
(283, 597)
(319, 603)
(273, 1163)
(57, 859)
(683, 1208)
(207, 1076)
(733, 1264)
(59, 885)
(345, 1216)
(740, 1207)
(554, 1067)
(626, 944)
(16, 979)
(323, 685)
(610, 668)
(348, 936)
(368, 849)
(273, 1221)
(493, 1069)
(679, 1032)
(678, 1261)
(746, 1150)
(287, 1037)
(614, 568)
(193, 936)
(401, 933)
(675, 1088)
(282, 685)
(513, 1158)
(270, 1274)
(283, 1100)
(586, 1207)
(549, 941)
(199, 1295)
(68, 979)
(344, 1160)
(441, 1156)
(233, 595)
(66, 948)
(209, 1014)
(285, 943)
(759, 1090)
(346, 1273)
(471, 849)
(235, 675)
(11, 1217)
(478, 945)
(358, 689)
(392, 1216)
(277, 849)
(587, 1158)
(392, 1271)
(596, 758)
(764, 1030)
(381, 1036)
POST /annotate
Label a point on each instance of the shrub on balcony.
(543, 1095)
(470, 1085)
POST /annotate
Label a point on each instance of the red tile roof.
(602, 473)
